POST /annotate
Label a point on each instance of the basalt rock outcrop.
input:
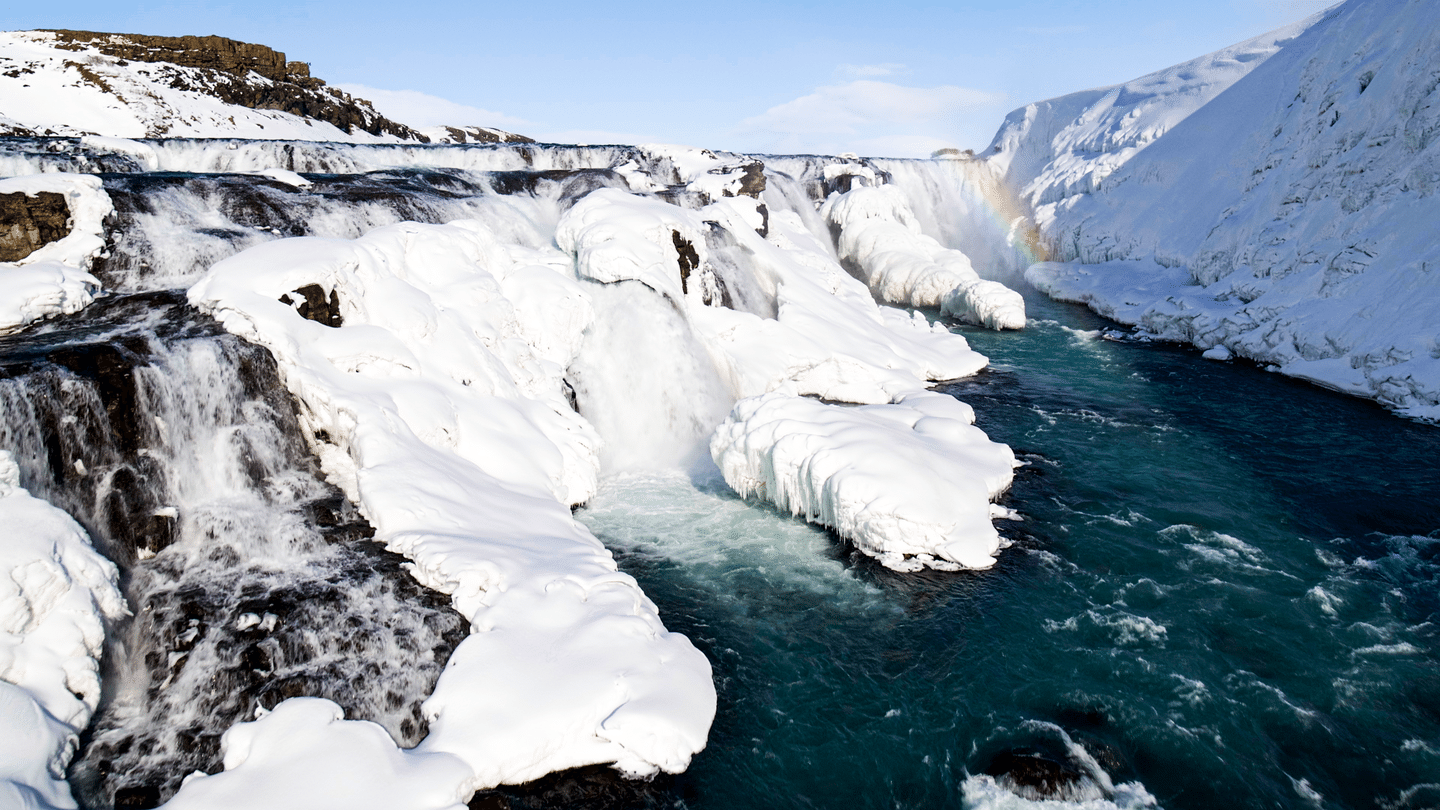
(244, 74)
(28, 223)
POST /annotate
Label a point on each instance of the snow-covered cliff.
(1276, 199)
(134, 86)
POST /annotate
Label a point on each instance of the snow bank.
(878, 234)
(1296, 208)
(54, 279)
(909, 482)
(433, 411)
(56, 593)
(827, 337)
(304, 751)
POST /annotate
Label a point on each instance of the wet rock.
(595, 787)
(686, 257)
(29, 223)
(1037, 775)
(137, 797)
(111, 366)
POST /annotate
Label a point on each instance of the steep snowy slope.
(1291, 219)
(1050, 150)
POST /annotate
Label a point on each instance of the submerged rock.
(1036, 775)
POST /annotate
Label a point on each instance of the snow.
(910, 482)
(1289, 217)
(454, 437)
(305, 748)
(1051, 150)
(54, 279)
(881, 236)
(56, 593)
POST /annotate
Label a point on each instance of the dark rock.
(137, 797)
(313, 305)
(687, 258)
(112, 368)
(29, 223)
(753, 182)
(482, 135)
(1036, 775)
(595, 787)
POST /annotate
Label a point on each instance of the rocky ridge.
(135, 85)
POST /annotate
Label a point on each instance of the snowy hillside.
(1290, 219)
(1050, 150)
(134, 86)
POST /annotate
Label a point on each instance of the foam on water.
(695, 520)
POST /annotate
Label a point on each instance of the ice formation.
(879, 235)
(56, 594)
(911, 481)
(55, 279)
(1283, 208)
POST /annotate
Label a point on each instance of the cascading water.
(249, 577)
(654, 406)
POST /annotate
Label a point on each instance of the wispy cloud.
(866, 115)
(419, 109)
(871, 71)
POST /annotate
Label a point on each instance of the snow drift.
(56, 593)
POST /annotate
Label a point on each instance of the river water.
(1224, 591)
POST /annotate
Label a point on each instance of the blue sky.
(900, 79)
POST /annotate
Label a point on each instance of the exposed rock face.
(313, 305)
(214, 53)
(470, 134)
(752, 183)
(29, 223)
(222, 68)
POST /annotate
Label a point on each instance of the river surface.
(1225, 592)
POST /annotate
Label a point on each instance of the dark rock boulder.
(752, 183)
(28, 223)
(1039, 775)
(314, 305)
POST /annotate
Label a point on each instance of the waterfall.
(249, 577)
(655, 286)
